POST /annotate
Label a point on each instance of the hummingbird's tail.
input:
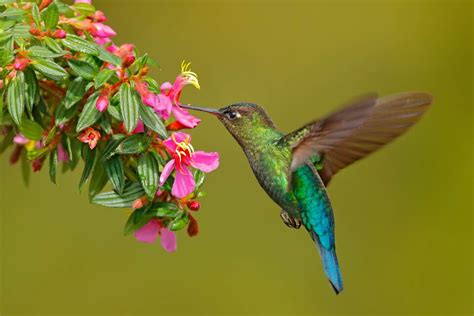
(331, 266)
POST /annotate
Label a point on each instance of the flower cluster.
(69, 93)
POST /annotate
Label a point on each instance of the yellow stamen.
(190, 76)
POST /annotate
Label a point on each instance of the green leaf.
(179, 222)
(83, 69)
(166, 209)
(21, 31)
(32, 91)
(13, 13)
(36, 153)
(36, 15)
(89, 156)
(83, 8)
(152, 121)
(134, 144)
(148, 174)
(43, 52)
(75, 92)
(98, 180)
(115, 172)
(1, 107)
(51, 16)
(49, 69)
(137, 220)
(51, 134)
(199, 177)
(106, 56)
(89, 114)
(63, 114)
(6, 56)
(128, 107)
(131, 192)
(4, 2)
(112, 145)
(112, 110)
(53, 45)
(102, 77)
(16, 97)
(79, 44)
(53, 162)
(31, 130)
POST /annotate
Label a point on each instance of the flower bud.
(21, 63)
(34, 31)
(139, 203)
(193, 227)
(16, 155)
(99, 16)
(128, 60)
(194, 205)
(102, 30)
(102, 103)
(2, 84)
(59, 34)
(36, 165)
(44, 4)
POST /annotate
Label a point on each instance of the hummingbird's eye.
(232, 115)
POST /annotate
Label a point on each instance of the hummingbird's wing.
(355, 131)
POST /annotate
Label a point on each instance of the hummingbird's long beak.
(202, 109)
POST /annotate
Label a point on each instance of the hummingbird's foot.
(289, 220)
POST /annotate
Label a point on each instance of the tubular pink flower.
(101, 30)
(62, 154)
(184, 157)
(102, 103)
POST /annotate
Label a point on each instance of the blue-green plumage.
(294, 169)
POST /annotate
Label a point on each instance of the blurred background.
(404, 215)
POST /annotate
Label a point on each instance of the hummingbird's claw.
(289, 220)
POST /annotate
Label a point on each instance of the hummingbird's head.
(245, 121)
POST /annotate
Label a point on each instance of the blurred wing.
(356, 130)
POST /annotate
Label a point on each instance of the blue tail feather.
(331, 266)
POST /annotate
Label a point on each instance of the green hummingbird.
(294, 169)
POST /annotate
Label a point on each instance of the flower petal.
(149, 232)
(183, 183)
(166, 171)
(205, 162)
(19, 139)
(168, 240)
(140, 128)
(62, 154)
(185, 118)
(179, 137)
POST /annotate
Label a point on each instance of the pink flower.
(19, 139)
(99, 16)
(183, 157)
(90, 136)
(101, 30)
(102, 102)
(102, 41)
(168, 99)
(83, 1)
(62, 154)
(140, 128)
(59, 34)
(150, 231)
(21, 63)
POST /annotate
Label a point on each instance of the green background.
(404, 215)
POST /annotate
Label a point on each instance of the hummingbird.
(294, 169)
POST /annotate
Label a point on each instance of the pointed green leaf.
(112, 110)
(79, 44)
(35, 13)
(89, 157)
(102, 77)
(53, 162)
(51, 16)
(63, 115)
(16, 97)
(166, 209)
(179, 222)
(49, 69)
(30, 129)
(75, 92)
(134, 144)
(98, 180)
(112, 145)
(152, 121)
(83, 8)
(25, 169)
(113, 199)
(83, 69)
(128, 107)
(115, 172)
(32, 91)
(148, 174)
(1, 107)
(89, 114)
(53, 45)
(43, 52)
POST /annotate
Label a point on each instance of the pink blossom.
(140, 128)
(19, 139)
(150, 231)
(83, 1)
(101, 30)
(102, 102)
(90, 136)
(21, 63)
(102, 41)
(62, 154)
(99, 16)
(184, 157)
(59, 34)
